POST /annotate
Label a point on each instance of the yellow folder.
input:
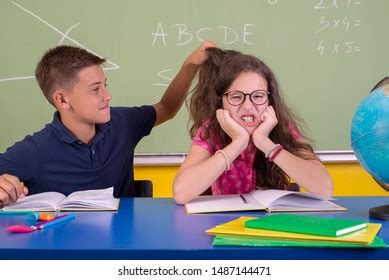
(236, 227)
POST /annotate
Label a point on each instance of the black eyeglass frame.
(245, 95)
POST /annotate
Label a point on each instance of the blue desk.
(146, 228)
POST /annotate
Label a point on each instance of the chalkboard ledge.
(177, 158)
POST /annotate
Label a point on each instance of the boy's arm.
(18, 162)
(175, 94)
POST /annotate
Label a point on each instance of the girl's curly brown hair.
(215, 76)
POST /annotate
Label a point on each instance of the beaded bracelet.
(226, 158)
(276, 152)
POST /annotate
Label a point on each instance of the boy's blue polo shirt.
(54, 160)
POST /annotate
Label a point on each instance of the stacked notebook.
(288, 230)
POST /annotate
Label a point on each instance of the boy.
(88, 145)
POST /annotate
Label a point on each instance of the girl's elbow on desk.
(320, 182)
(180, 199)
(179, 193)
(325, 188)
(328, 188)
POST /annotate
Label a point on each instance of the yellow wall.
(349, 179)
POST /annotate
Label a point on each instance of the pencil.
(54, 221)
(243, 198)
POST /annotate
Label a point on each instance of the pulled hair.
(59, 68)
(216, 74)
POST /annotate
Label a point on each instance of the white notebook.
(89, 200)
(270, 200)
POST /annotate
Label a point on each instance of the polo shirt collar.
(65, 135)
(101, 128)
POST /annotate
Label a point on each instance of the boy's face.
(89, 98)
(247, 114)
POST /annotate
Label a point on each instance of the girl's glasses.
(237, 97)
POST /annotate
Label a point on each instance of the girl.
(244, 137)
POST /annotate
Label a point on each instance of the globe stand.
(380, 212)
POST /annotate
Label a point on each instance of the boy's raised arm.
(175, 94)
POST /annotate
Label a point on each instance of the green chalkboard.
(327, 55)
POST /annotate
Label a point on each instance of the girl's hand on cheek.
(231, 127)
(269, 121)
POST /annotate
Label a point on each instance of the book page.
(280, 200)
(269, 196)
(223, 203)
(299, 202)
(101, 199)
(47, 201)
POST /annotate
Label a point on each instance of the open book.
(269, 200)
(90, 200)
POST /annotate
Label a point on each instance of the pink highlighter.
(41, 225)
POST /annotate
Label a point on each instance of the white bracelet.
(225, 156)
(272, 150)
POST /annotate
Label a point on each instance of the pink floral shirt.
(241, 177)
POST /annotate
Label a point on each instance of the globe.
(370, 134)
(370, 139)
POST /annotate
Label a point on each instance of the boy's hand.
(231, 127)
(199, 55)
(10, 189)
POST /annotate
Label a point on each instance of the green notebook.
(306, 224)
(225, 240)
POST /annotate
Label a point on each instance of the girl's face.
(247, 114)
